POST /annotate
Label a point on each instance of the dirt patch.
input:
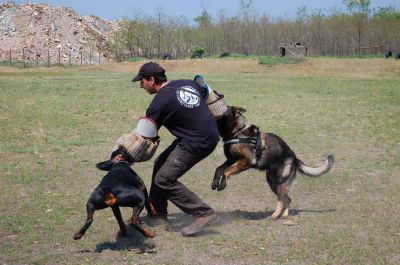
(352, 68)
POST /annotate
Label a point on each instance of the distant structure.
(376, 49)
(167, 56)
(293, 48)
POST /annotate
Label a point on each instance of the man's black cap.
(149, 69)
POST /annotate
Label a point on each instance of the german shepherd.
(246, 147)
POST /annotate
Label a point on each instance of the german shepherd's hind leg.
(283, 202)
(286, 204)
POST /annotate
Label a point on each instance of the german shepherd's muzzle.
(246, 147)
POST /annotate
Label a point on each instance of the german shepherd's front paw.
(219, 183)
(215, 183)
(222, 184)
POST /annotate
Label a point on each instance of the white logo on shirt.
(188, 96)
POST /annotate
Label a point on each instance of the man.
(178, 106)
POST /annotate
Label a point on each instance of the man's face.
(148, 85)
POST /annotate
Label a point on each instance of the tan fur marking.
(287, 167)
(110, 199)
(278, 211)
(236, 168)
(285, 213)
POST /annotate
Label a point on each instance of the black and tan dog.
(120, 187)
(246, 147)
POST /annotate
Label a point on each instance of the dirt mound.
(41, 31)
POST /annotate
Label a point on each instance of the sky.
(118, 9)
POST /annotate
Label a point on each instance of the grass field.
(55, 124)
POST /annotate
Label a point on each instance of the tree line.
(356, 30)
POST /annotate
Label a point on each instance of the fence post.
(23, 55)
(59, 57)
(10, 58)
(37, 62)
(48, 58)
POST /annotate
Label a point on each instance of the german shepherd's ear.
(238, 111)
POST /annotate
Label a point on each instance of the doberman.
(121, 187)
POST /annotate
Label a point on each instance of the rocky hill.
(41, 31)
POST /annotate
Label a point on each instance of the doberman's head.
(231, 121)
(117, 156)
(121, 154)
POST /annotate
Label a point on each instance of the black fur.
(121, 187)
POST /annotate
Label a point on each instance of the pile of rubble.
(40, 32)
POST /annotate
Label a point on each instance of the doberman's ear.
(240, 110)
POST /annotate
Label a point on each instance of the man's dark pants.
(170, 165)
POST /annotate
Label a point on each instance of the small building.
(293, 48)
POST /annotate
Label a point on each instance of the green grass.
(55, 126)
(264, 60)
(352, 56)
(274, 60)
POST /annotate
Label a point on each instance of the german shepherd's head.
(231, 121)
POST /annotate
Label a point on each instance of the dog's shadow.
(181, 220)
(134, 241)
(228, 217)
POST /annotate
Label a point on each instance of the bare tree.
(326, 33)
(360, 10)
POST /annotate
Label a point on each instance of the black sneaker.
(198, 224)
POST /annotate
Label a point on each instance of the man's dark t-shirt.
(179, 107)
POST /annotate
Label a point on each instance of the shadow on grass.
(180, 220)
(246, 215)
(228, 217)
(134, 241)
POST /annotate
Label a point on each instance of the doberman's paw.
(121, 234)
(77, 236)
(149, 234)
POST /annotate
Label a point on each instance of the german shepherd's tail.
(315, 171)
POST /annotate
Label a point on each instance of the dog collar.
(251, 141)
(123, 161)
(240, 130)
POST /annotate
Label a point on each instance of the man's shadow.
(134, 241)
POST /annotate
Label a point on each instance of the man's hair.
(158, 79)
